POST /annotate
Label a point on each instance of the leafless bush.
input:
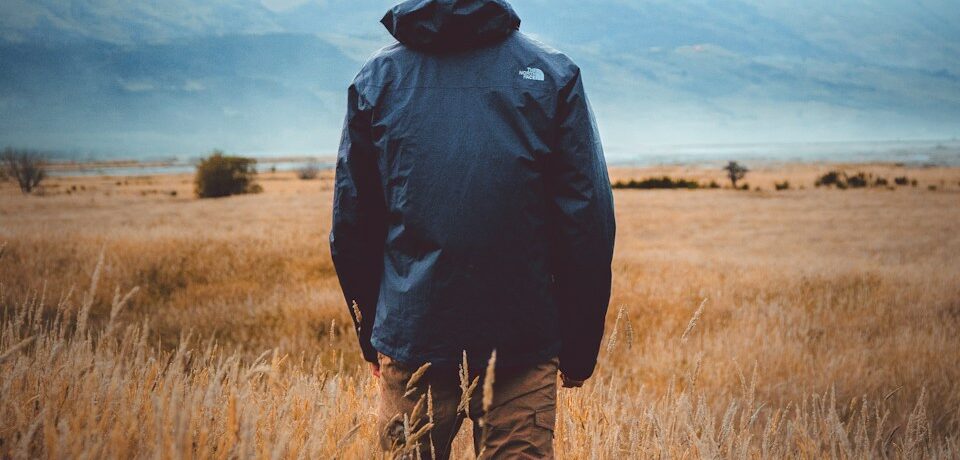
(28, 167)
(309, 171)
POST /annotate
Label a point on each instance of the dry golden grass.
(831, 325)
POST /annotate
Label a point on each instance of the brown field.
(830, 324)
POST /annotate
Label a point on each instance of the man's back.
(473, 210)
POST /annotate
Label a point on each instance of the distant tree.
(735, 171)
(222, 175)
(28, 167)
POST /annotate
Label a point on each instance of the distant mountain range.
(141, 80)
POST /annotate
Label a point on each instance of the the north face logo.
(532, 73)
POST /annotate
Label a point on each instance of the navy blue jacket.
(472, 207)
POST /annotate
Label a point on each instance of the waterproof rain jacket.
(472, 207)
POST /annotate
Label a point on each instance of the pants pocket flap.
(545, 418)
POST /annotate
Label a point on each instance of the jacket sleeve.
(584, 229)
(358, 229)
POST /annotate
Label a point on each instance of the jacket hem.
(412, 359)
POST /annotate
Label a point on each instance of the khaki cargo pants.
(519, 423)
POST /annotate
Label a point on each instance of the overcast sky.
(269, 75)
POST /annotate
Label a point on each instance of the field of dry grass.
(829, 326)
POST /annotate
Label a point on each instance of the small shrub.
(27, 167)
(745, 186)
(785, 185)
(913, 183)
(843, 181)
(309, 171)
(902, 180)
(857, 181)
(932, 188)
(713, 184)
(664, 182)
(222, 175)
(828, 179)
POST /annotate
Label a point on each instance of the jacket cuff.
(369, 353)
(576, 372)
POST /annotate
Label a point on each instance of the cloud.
(193, 86)
(138, 86)
(284, 5)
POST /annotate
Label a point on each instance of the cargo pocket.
(546, 418)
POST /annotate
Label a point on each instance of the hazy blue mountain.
(182, 77)
(242, 93)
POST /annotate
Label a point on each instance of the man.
(472, 213)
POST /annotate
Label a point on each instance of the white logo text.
(532, 73)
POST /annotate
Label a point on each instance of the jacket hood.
(450, 25)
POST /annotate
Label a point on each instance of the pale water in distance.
(910, 153)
